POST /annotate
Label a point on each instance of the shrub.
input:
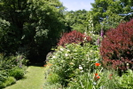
(11, 68)
(17, 73)
(3, 75)
(72, 61)
(73, 37)
(125, 81)
(5, 79)
(9, 62)
(87, 81)
(9, 81)
(117, 46)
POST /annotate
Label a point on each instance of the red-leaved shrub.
(73, 37)
(117, 47)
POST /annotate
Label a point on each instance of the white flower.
(80, 67)
(61, 49)
(68, 50)
(66, 54)
(53, 57)
(85, 39)
(96, 59)
(94, 83)
(91, 51)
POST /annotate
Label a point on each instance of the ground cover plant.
(12, 68)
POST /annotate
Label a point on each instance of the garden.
(81, 62)
(44, 46)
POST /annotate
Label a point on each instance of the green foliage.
(6, 37)
(126, 80)
(53, 78)
(17, 73)
(9, 81)
(73, 60)
(12, 68)
(12, 61)
(87, 81)
(108, 14)
(111, 22)
(30, 24)
(79, 67)
(77, 20)
(6, 80)
(3, 76)
(84, 81)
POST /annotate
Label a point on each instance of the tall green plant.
(72, 61)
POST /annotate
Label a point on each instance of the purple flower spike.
(102, 33)
(98, 41)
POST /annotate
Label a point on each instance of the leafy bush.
(73, 60)
(89, 81)
(6, 80)
(73, 37)
(125, 81)
(117, 46)
(3, 75)
(11, 68)
(17, 73)
(9, 62)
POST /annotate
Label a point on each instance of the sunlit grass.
(34, 79)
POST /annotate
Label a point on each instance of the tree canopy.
(110, 12)
(34, 25)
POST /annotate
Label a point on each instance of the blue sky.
(77, 4)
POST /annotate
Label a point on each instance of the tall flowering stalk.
(96, 75)
(102, 33)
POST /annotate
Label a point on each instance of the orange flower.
(49, 64)
(98, 77)
(45, 65)
(97, 64)
(110, 76)
(96, 74)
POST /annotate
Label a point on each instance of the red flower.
(97, 64)
(96, 74)
(96, 77)
(110, 76)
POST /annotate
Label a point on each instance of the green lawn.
(34, 79)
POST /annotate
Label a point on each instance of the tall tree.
(110, 13)
(77, 20)
(36, 24)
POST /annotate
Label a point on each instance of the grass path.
(34, 79)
